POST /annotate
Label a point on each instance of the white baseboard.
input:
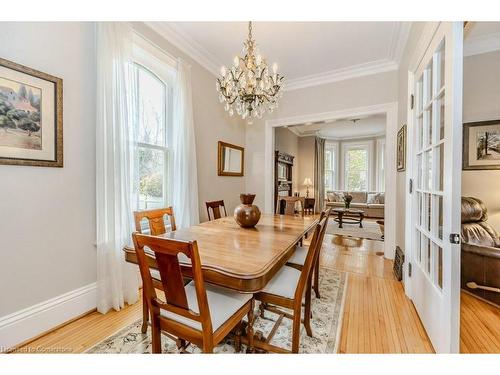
(25, 324)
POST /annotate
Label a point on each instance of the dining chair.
(155, 219)
(297, 260)
(194, 313)
(216, 209)
(289, 289)
(156, 227)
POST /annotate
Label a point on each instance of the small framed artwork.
(401, 149)
(231, 160)
(481, 145)
(31, 105)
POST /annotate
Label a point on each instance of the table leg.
(361, 216)
(340, 219)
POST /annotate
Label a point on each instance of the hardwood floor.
(479, 326)
(378, 317)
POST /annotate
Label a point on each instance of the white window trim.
(380, 173)
(368, 145)
(163, 66)
(334, 146)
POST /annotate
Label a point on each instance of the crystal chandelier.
(248, 88)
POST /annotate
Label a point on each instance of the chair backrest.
(216, 209)
(312, 255)
(155, 220)
(166, 253)
(324, 215)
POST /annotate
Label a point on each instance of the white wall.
(47, 215)
(212, 124)
(481, 101)
(415, 32)
(306, 164)
(352, 93)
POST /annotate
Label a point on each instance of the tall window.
(153, 153)
(356, 168)
(329, 169)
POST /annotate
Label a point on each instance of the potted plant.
(347, 200)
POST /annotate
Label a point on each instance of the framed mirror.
(231, 159)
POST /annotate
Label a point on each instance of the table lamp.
(307, 183)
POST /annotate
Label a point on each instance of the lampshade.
(307, 181)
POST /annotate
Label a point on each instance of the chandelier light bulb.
(275, 68)
(236, 61)
(223, 71)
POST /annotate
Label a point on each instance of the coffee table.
(349, 216)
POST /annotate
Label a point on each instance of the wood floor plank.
(378, 317)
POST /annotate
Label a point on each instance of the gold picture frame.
(230, 160)
(31, 116)
(401, 149)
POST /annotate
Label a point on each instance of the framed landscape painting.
(481, 145)
(30, 117)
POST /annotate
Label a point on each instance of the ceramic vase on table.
(247, 215)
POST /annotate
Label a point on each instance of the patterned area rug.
(370, 230)
(326, 323)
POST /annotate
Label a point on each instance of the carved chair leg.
(155, 335)
(262, 308)
(208, 348)
(237, 337)
(296, 331)
(250, 316)
(307, 310)
(181, 344)
(316, 279)
(145, 313)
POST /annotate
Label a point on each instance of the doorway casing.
(391, 112)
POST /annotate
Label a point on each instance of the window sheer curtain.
(184, 177)
(117, 281)
(319, 174)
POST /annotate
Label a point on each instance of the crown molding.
(400, 35)
(482, 44)
(354, 71)
(186, 44)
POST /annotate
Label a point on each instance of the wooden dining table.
(243, 259)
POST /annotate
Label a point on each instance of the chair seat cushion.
(223, 303)
(284, 283)
(299, 256)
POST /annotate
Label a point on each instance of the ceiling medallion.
(248, 88)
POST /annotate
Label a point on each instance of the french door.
(434, 138)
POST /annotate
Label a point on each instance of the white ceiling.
(304, 51)
(368, 126)
(312, 53)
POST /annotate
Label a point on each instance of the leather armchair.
(480, 259)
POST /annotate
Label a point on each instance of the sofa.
(371, 202)
(480, 255)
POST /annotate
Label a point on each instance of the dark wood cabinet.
(283, 164)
